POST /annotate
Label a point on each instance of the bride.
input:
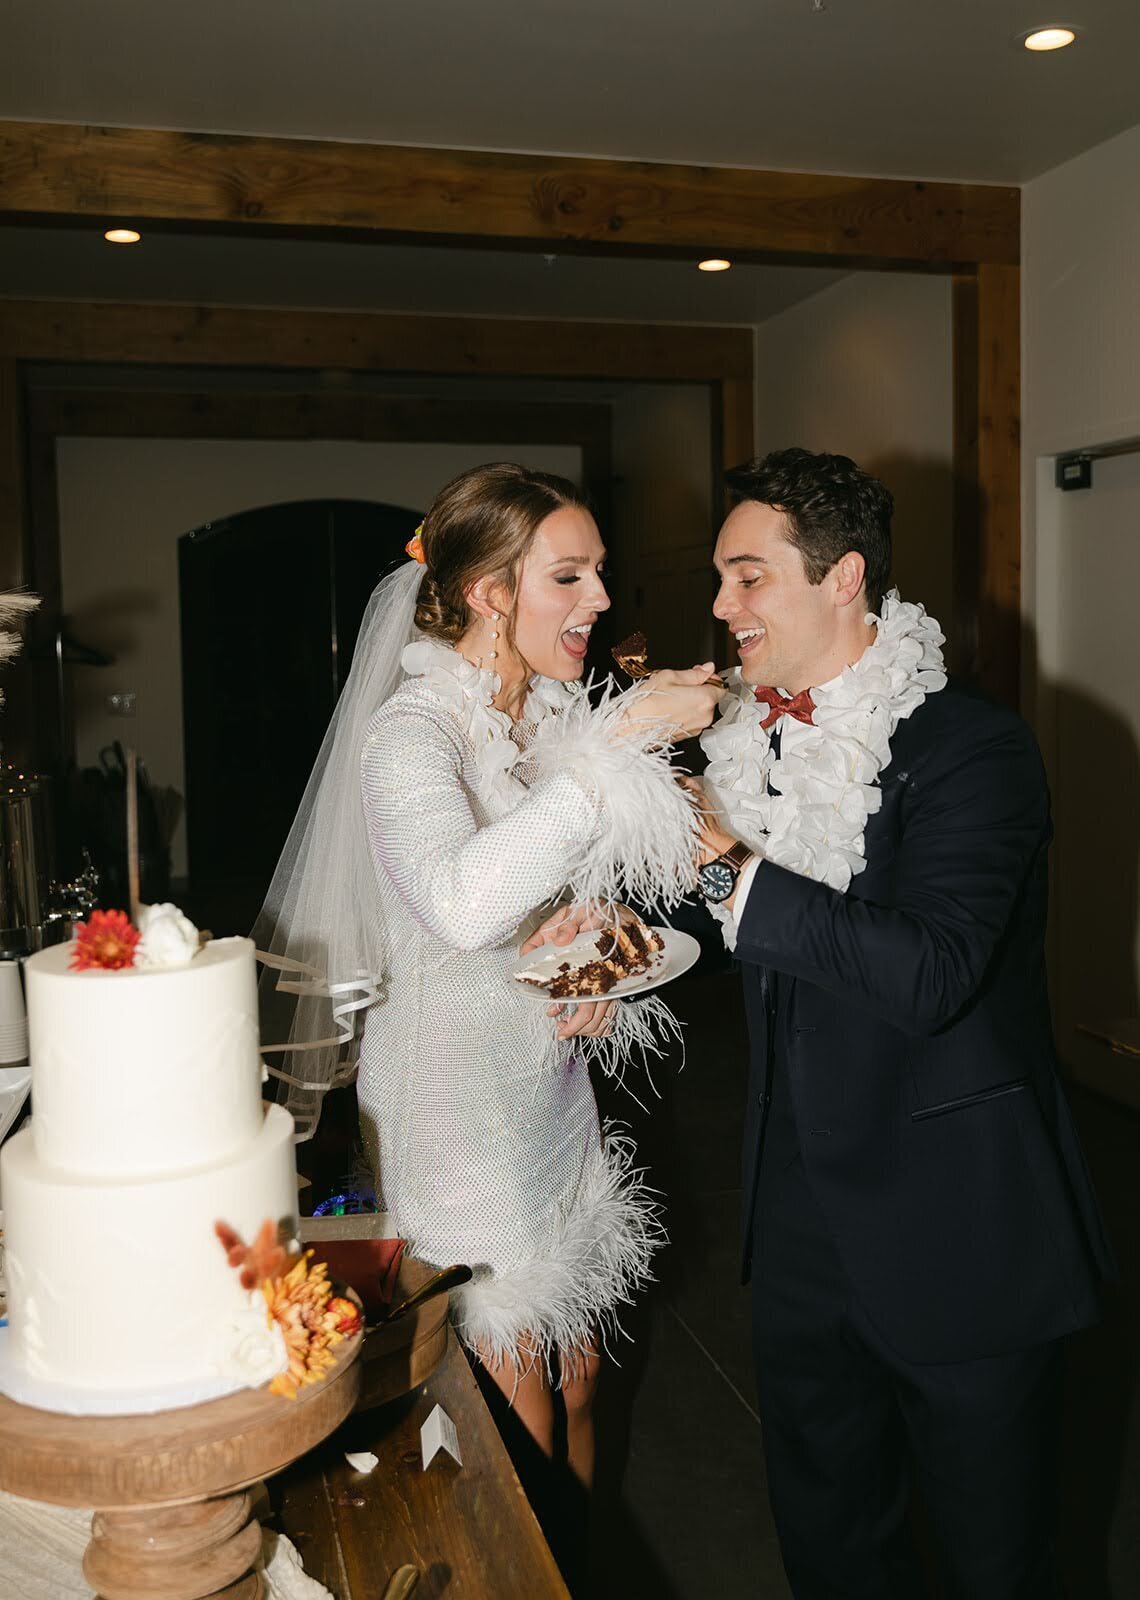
(464, 785)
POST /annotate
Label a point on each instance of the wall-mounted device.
(1073, 472)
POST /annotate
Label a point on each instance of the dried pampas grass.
(14, 607)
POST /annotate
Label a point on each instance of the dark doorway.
(271, 603)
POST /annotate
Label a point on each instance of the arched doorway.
(271, 603)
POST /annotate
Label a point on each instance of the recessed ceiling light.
(1051, 38)
(713, 264)
(122, 236)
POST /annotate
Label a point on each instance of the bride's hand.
(564, 926)
(682, 702)
(587, 1019)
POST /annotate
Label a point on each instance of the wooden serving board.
(172, 1518)
(397, 1358)
(118, 1463)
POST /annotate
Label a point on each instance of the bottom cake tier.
(120, 1297)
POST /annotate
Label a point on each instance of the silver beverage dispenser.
(22, 895)
(34, 911)
(23, 881)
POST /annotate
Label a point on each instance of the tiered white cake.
(147, 1129)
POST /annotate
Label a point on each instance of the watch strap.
(737, 855)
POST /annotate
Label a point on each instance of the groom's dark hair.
(830, 505)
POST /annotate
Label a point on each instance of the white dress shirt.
(792, 730)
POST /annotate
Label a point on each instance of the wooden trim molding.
(106, 413)
(999, 478)
(987, 455)
(97, 174)
(737, 430)
(963, 645)
(987, 380)
(12, 474)
(358, 341)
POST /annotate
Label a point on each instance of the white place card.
(438, 1433)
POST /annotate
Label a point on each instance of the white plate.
(680, 952)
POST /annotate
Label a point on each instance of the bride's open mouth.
(576, 641)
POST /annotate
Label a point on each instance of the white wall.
(125, 502)
(1081, 573)
(865, 369)
(1080, 343)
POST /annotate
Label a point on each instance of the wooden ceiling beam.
(266, 414)
(365, 341)
(135, 175)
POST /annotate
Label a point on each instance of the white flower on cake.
(168, 939)
(252, 1348)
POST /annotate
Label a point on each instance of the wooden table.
(1122, 1037)
(172, 1518)
(469, 1530)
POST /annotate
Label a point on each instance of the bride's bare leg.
(526, 1387)
(579, 1387)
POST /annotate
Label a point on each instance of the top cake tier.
(147, 1071)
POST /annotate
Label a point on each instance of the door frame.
(217, 183)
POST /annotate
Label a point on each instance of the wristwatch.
(717, 878)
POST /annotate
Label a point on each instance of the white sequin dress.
(482, 1127)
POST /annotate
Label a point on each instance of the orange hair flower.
(414, 546)
(107, 939)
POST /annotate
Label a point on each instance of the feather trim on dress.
(568, 1298)
(640, 1029)
(644, 847)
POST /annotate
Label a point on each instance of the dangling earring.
(491, 657)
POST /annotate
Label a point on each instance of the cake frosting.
(142, 1073)
(147, 1130)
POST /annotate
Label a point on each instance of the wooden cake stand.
(172, 1518)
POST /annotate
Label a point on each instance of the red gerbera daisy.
(106, 939)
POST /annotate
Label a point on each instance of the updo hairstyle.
(481, 525)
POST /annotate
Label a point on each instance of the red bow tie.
(799, 706)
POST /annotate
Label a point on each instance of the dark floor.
(682, 1507)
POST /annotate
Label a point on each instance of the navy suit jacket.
(912, 1033)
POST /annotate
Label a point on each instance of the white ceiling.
(894, 87)
(70, 263)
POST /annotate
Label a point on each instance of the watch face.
(717, 881)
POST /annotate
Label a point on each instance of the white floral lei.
(828, 781)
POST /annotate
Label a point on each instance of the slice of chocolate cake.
(596, 978)
(631, 945)
(625, 949)
(632, 655)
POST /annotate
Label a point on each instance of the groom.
(919, 1225)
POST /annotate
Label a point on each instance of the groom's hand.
(713, 839)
